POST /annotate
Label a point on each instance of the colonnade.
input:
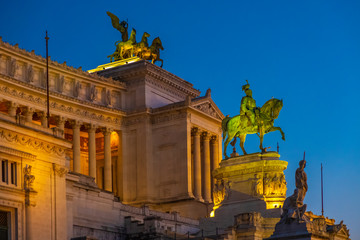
(205, 150)
(27, 114)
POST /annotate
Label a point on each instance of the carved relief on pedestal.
(258, 188)
(274, 184)
(221, 191)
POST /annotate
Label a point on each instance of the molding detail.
(168, 117)
(31, 142)
(12, 92)
(17, 153)
(59, 171)
(208, 109)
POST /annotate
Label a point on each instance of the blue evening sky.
(304, 52)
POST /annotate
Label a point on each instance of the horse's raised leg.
(162, 62)
(272, 129)
(242, 141)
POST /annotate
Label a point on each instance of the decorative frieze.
(12, 92)
(60, 66)
(31, 142)
(168, 117)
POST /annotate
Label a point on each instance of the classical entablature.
(123, 122)
(143, 71)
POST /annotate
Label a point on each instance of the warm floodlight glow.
(114, 64)
(212, 214)
(114, 139)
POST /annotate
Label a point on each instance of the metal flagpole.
(322, 192)
(47, 82)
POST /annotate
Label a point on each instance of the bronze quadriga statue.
(127, 48)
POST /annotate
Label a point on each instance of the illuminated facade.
(118, 140)
(132, 152)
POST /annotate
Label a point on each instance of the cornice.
(17, 153)
(31, 56)
(31, 142)
(65, 107)
(127, 74)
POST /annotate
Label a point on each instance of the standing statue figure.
(294, 207)
(248, 106)
(301, 183)
(121, 26)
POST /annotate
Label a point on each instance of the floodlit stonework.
(119, 140)
(132, 152)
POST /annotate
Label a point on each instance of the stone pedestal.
(250, 184)
(251, 181)
(314, 227)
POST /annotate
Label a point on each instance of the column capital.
(91, 127)
(60, 120)
(214, 139)
(205, 136)
(30, 109)
(76, 123)
(107, 130)
(195, 131)
(12, 104)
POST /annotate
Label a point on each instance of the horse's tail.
(224, 126)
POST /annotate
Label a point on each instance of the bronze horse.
(232, 127)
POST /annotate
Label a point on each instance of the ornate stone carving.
(252, 219)
(257, 186)
(108, 101)
(61, 84)
(28, 178)
(93, 93)
(80, 112)
(31, 142)
(59, 171)
(12, 67)
(293, 207)
(32, 54)
(29, 74)
(77, 87)
(168, 117)
(221, 192)
(208, 109)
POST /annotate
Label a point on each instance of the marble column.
(119, 168)
(214, 152)
(107, 160)
(92, 150)
(206, 166)
(29, 114)
(60, 124)
(76, 147)
(12, 107)
(43, 119)
(197, 164)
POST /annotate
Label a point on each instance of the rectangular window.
(14, 173)
(4, 225)
(4, 171)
